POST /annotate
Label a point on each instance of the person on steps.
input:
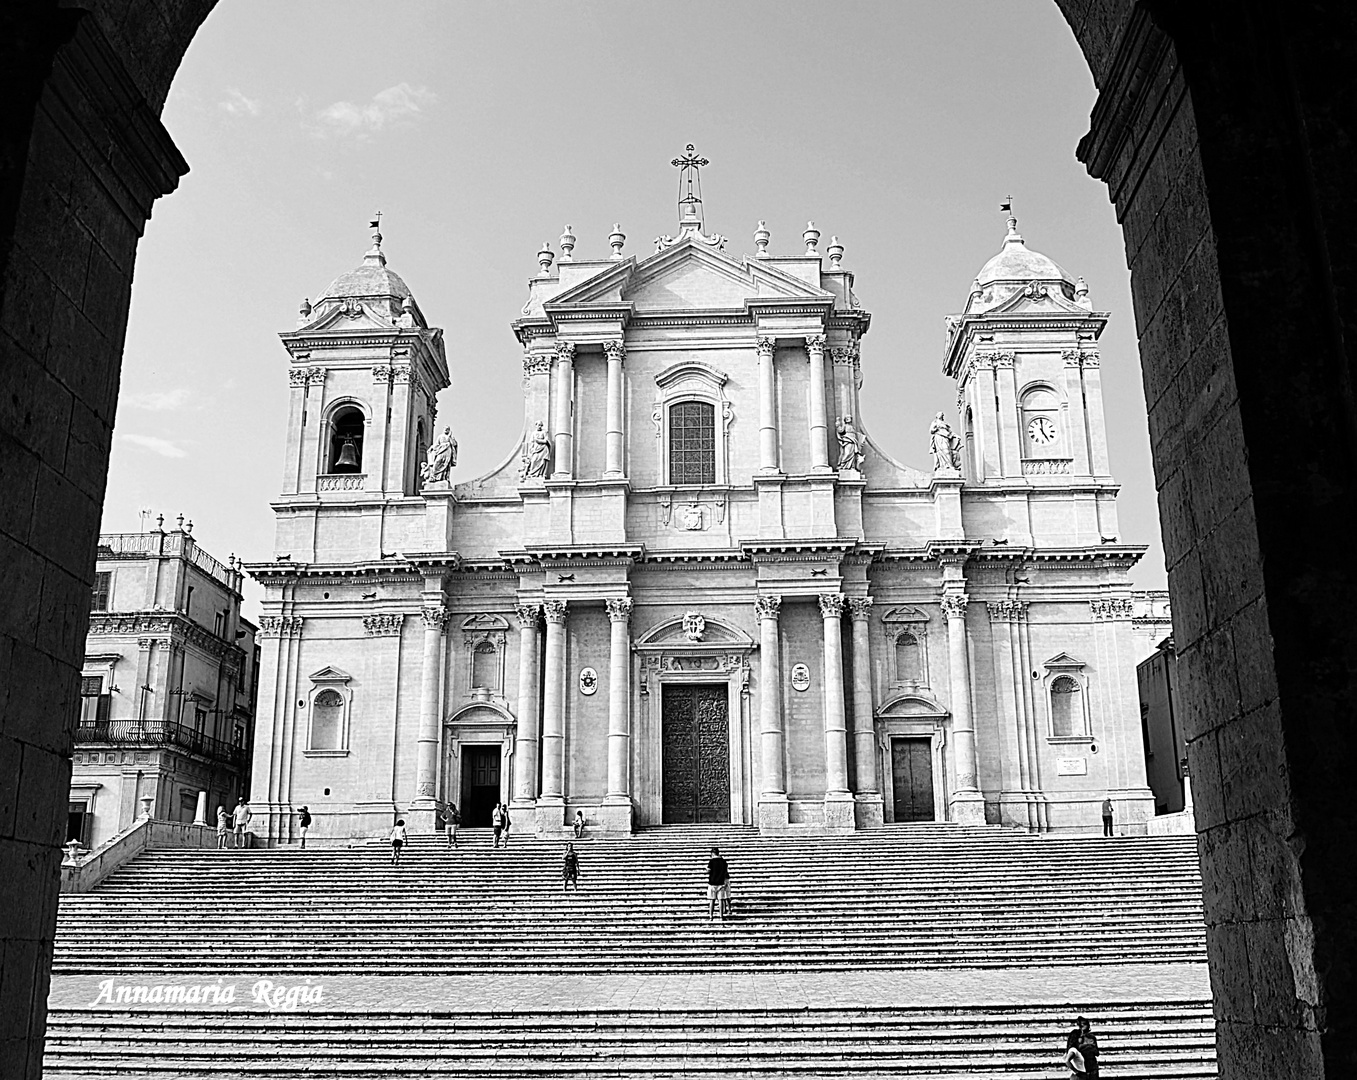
(718, 885)
(1107, 818)
(504, 813)
(221, 828)
(496, 823)
(578, 824)
(240, 818)
(451, 819)
(303, 823)
(1081, 1051)
(570, 871)
(397, 841)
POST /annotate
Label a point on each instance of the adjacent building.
(695, 590)
(168, 687)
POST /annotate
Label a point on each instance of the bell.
(348, 454)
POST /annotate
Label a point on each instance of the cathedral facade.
(696, 590)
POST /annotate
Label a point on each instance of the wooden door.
(695, 754)
(912, 779)
(480, 785)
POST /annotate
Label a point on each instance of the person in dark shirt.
(718, 885)
(304, 823)
(1082, 1039)
(1107, 818)
(570, 870)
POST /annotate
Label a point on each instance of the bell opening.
(346, 442)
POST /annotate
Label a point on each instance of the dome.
(1016, 262)
(372, 279)
(384, 294)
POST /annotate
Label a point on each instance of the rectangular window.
(95, 705)
(692, 443)
(103, 583)
(219, 628)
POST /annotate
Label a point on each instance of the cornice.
(167, 625)
(333, 571)
(757, 549)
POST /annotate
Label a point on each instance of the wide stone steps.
(1171, 1039)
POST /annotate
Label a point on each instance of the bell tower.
(364, 370)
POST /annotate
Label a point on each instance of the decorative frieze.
(1114, 608)
(388, 625)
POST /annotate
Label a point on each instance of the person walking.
(303, 823)
(578, 824)
(1081, 1051)
(398, 839)
(222, 828)
(570, 870)
(1107, 818)
(451, 820)
(496, 823)
(718, 886)
(240, 818)
(504, 813)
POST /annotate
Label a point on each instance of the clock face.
(1041, 431)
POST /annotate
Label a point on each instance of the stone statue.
(850, 445)
(536, 455)
(440, 460)
(946, 447)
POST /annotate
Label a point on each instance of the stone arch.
(1220, 131)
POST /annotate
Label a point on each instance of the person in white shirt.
(240, 818)
(397, 841)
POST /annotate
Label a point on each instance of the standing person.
(1107, 818)
(579, 824)
(304, 823)
(718, 878)
(451, 819)
(240, 818)
(397, 841)
(221, 828)
(504, 813)
(497, 823)
(570, 871)
(1081, 1051)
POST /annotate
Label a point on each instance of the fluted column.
(864, 721)
(767, 408)
(967, 804)
(565, 419)
(819, 427)
(435, 618)
(553, 704)
(771, 737)
(525, 741)
(838, 799)
(619, 702)
(616, 434)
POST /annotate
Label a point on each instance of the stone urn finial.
(812, 237)
(617, 238)
(761, 238)
(835, 253)
(544, 260)
(567, 245)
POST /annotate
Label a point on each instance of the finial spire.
(374, 257)
(690, 189)
(1006, 207)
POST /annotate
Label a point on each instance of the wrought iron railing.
(160, 733)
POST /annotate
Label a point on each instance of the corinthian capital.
(554, 611)
(615, 350)
(565, 350)
(815, 343)
(954, 605)
(619, 610)
(528, 614)
(766, 346)
(859, 608)
(831, 604)
(767, 607)
(435, 616)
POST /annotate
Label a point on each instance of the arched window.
(1067, 707)
(1041, 434)
(327, 721)
(692, 443)
(485, 666)
(346, 441)
(907, 666)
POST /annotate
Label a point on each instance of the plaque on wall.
(1071, 766)
(800, 677)
(588, 681)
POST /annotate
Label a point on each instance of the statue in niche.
(536, 455)
(946, 447)
(440, 460)
(850, 445)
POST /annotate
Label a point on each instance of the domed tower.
(365, 369)
(1024, 354)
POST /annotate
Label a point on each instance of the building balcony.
(353, 481)
(1047, 466)
(153, 733)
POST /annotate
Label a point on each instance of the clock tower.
(1024, 353)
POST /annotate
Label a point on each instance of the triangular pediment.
(350, 315)
(330, 674)
(1037, 298)
(905, 614)
(1064, 660)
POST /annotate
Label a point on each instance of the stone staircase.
(934, 951)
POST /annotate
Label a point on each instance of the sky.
(480, 130)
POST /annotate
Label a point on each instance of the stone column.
(773, 808)
(870, 811)
(525, 739)
(819, 427)
(565, 418)
(838, 799)
(616, 810)
(435, 618)
(551, 802)
(200, 813)
(614, 465)
(967, 804)
(767, 408)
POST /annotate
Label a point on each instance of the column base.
(840, 813)
(870, 811)
(550, 816)
(614, 816)
(774, 814)
(967, 808)
(421, 817)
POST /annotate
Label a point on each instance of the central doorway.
(480, 785)
(912, 779)
(695, 749)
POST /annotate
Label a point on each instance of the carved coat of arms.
(694, 626)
